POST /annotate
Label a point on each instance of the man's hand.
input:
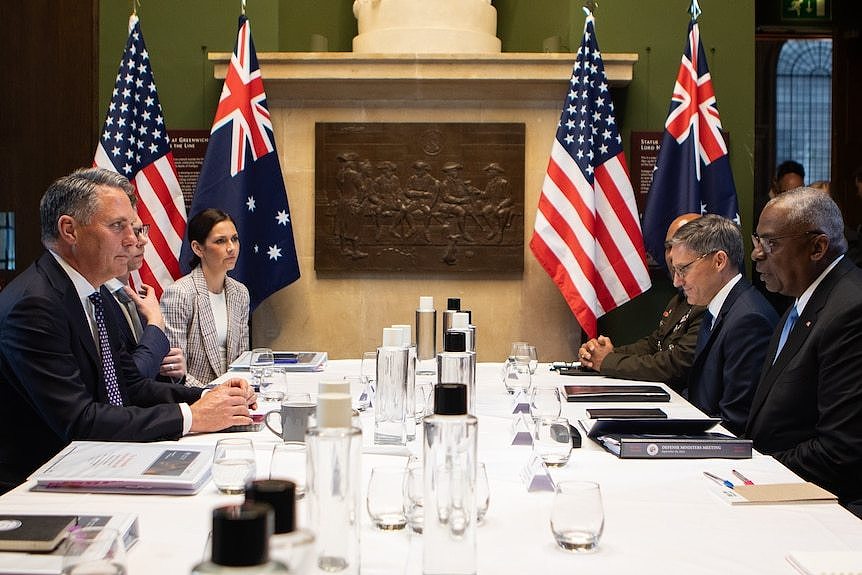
(174, 364)
(148, 305)
(593, 353)
(223, 406)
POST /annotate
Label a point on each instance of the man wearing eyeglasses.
(63, 374)
(807, 411)
(145, 340)
(664, 355)
(708, 261)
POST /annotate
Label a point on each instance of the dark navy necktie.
(705, 330)
(109, 372)
(126, 300)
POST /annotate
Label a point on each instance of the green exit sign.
(806, 9)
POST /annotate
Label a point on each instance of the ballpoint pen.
(718, 479)
(744, 479)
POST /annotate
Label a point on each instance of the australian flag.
(241, 176)
(692, 172)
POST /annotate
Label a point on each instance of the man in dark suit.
(63, 374)
(807, 411)
(141, 326)
(664, 355)
(707, 264)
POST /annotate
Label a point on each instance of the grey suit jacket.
(807, 411)
(191, 325)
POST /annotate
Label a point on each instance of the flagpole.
(694, 10)
(242, 6)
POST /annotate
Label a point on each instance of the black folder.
(668, 427)
(605, 393)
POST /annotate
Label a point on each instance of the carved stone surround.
(345, 315)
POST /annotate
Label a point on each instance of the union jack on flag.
(587, 235)
(134, 142)
(693, 169)
(241, 176)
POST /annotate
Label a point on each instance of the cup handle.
(278, 431)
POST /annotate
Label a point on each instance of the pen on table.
(718, 479)
(744, 479)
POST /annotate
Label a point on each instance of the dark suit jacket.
(807, 411)
(51, 389)
(147, 353)
(725, 372)
(664, 355)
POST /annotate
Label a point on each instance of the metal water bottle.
(426, 336)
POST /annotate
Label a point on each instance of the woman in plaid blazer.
(206, 312)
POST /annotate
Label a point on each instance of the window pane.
(7, 240)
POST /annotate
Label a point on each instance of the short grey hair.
(812, 210)
(712, 233)
(77, 195)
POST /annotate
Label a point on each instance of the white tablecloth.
(660, 516)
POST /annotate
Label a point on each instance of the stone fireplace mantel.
(505, 77)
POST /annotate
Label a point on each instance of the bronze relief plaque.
(419, 197)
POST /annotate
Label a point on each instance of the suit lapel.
(233, 334)
(735, 292)
(207, 320)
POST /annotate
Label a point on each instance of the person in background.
(807, 410)
(708, 261)
(145, 340)
(63, 374)
(206, 312)
(789, 175)
(664, 355)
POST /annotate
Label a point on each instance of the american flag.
(241, 176)
(587, 235)
(134, 142)
(693, 169)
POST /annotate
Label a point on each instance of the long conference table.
(661, 516)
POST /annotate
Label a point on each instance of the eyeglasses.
(767, 243)
(681, 271)
(141, 231)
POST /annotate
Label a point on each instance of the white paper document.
(105, 466)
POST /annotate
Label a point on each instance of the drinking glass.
(577, 517)
(414, 496)
(93, 551)
(233, 465)
(424, 399)
(289, 462)
(528, 354)
(262, 371)
(545, 401)
(516, 346)
(552, 440)
(517, 376)
(483, 493)
(385, 502)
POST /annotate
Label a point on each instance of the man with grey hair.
(708, 258)
(63, 374)
(807, 411)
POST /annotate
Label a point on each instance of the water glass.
(577, 517)
(414, 496)
(93, 551)
(483, 493)
(516, 347)
(289, 462)
(527, 353)
(424, 397)
(552, 440)
(262, 367)
(233, 465)
(368, 374)
(545, 401)
(516, 376)
(385, 502)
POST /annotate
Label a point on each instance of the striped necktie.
(109, 371)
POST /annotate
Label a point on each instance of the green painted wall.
(180, 32)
